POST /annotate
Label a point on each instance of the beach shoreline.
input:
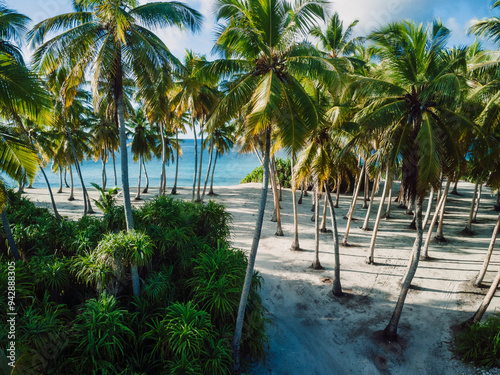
(312, 332)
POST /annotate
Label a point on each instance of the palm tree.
(144, 142)
(198, 96)
(414, 106)
(104, 141)
(112, 39)
(262, 55)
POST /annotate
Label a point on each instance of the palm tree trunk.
(274, 218)
(163, 161)
(138, 195)
(251, 259)
(429, 208)
(211, 192)
(60, 181)
(370, 259)
(103, 173)
(478, 201)
(78, 171)
(316, 265)
(351, 212)
(145, 191)
(295, 243)
(468, 227)
(366, 189)
(198, 196)
(337, 198)
(50, 193)
(323, 229)
(454, 191)
(391, 331)
(114, 168)
(425, 254)
(486, 262)
(439, 235)
(174, 189)
(487, 300)
(208, 170)
(71, 191)
(10, 238)
(195, 158)
(65, 181)
(387, 214)
(370, 205)
(279, 230)
(129, 220)
(90, 209)
(301, 193)
(337, 287)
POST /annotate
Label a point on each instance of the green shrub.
(283, 170)
(480, 343)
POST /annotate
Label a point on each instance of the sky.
(457, 15)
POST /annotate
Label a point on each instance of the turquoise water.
(231, 168)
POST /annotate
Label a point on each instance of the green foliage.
(283, 169)
(107, 198)
(480, 343)
(181, 323)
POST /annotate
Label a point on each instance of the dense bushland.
(76, 313)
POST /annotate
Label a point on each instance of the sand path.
(311, 331)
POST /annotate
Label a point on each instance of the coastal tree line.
(397, 104)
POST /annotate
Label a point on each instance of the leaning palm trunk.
(478, 201)
(370, 259)
(295, 243)
(316, 265)
(323, 229)
(366, 189)
(60, 182)
(439, 235)
(72, 187)
(50, 193)
(279, 230)
(10, 238)
(429, 208)
(129, 220)
(487, 300)
(211, 192)
(353, 206)
(208, 170)
(486, 262)
(355, 194)
(387, 214)
(195, 159)
(138, 195)
(337, 288)
(391, 331)
(274, 218)
(425, 254)
(65, 180)
(251, 258)
(468, 227)
(174, 189)
(147, 177)
(366, 223)
(90, 209)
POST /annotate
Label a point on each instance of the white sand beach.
(312, 332)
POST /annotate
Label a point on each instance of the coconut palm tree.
(143, 144)
(259, 41)
(414, 104)
(198, 96)
(113, 40)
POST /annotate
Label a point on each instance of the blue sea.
(231, 168)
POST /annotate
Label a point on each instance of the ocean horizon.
(230, 169)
